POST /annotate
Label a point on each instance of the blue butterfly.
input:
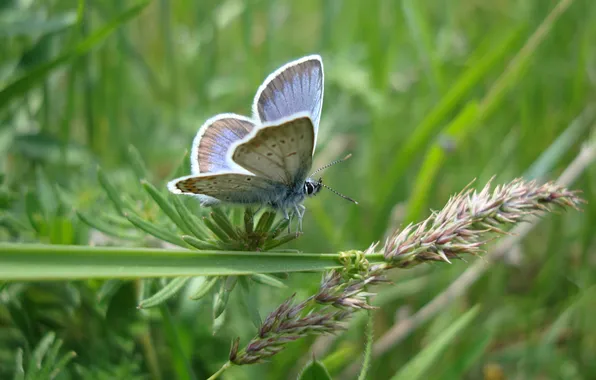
(263, 160)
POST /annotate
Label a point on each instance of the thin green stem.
(367, 357)
(220, 371)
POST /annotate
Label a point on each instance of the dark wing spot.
(302, 136)
(273, 145)
(292, 139)
(269, 154)
(282, 141)
(248, 179)
(291, 154)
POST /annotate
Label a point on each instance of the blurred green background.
(427, 95)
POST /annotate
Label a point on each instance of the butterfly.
(263, 160)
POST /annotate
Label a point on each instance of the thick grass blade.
(27, 262)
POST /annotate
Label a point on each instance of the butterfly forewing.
(211, 146)
(281, 152)
(228, 187)
(295, 87)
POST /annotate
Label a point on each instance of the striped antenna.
(331, 164)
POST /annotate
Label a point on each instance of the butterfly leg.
(300, 210)
(288, 217)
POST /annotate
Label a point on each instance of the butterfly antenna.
(331, 164)
(338, 193)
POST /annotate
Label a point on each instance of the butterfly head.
(312, 187)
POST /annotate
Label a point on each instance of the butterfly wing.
(227, 187)
(293, 88)
(280, 151)
(211, 145)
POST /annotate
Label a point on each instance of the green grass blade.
(433, 162)
(562, 144)
(38, 74)
(421, 364)
(24, 262)
(368, 347)
(430, 125)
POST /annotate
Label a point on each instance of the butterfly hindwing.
(227, 187)
(280, 152)
(211, 145)
(293, 88)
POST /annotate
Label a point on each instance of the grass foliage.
(427, 95)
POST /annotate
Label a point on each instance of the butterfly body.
(266, 159)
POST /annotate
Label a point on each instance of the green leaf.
(224, 223)
(106, 228)
(199, 244)
(220, 301)
(250, 301)
(38, 74)
(192, 224)
(268, 280)
(422, 363)
(283, 240)
(19, 373)
(109, 188)
(40, 351)
(265, 221)
(158, 232)
(205, 287)
(166, 206)
(26, 262)
(137, 164)
(181, 364)
(217, 231)
(315, 370)
(108, 289)
(165, 293)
